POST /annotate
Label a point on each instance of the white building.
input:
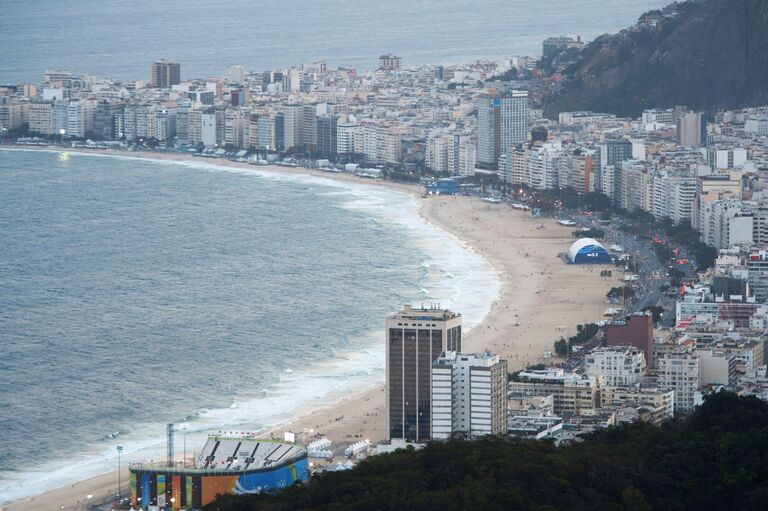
(502, 121)
(293, 116)
(618, 366)
(208, 129)
(757, 126)
(79, 118)
(717, 367)
(543, 166)
(680, 370)
(726, 222)
(468, 395)
(346, 135)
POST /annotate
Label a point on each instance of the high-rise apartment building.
(689, 129)
(390, 62)
(582, 175)
(469, 395)
(13, 115)
(502, 121)
(40, 117)
(757, 266)
(166, 73)
(619, 366)
(615, 151)
(346, 137)
(208, 126)
(79, 118)
(104, 119)
(309, 127)
(293, 117)
(252, 137)
(680, 370)
(236, 127)
(267, 130)
(415, 338)
(327, 130)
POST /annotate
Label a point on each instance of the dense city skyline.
(379, 264)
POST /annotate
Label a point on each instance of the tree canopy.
(714, 459)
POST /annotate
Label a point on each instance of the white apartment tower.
(294, 123)
(468, 395)
(680, 370)
(502, 121)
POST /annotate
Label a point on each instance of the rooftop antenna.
(169, 432)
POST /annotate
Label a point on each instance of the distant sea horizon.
(120, 40)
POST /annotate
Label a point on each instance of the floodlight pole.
(119, 481)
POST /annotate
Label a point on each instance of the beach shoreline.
(540, 299)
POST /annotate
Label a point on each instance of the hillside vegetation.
(715, 459)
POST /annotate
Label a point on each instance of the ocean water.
(139, 292)
(121, 39)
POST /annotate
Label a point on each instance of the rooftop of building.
(485, 359)
(233, 453)
(432, 313)
(626, 349)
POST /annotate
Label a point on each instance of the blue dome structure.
(588, 251)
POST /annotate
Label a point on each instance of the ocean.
(139, 292)
(121, 39)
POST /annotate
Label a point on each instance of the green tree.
(713, 459)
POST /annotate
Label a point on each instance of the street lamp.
(184, 426)
(119, 482)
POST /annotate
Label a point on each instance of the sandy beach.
(541, 299)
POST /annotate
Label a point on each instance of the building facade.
(415, 338)
(468, 395)
(502, 121)
(165, 74)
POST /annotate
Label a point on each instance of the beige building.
(572, 393)
(659, 404)
(40, 118)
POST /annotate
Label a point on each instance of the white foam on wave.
(455, 276)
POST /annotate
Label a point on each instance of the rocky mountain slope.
(706, 54)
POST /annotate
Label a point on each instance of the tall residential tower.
(166, 73)
(502, 121)
(415, 339)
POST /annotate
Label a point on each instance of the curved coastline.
(301, 411)
(540, 298)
